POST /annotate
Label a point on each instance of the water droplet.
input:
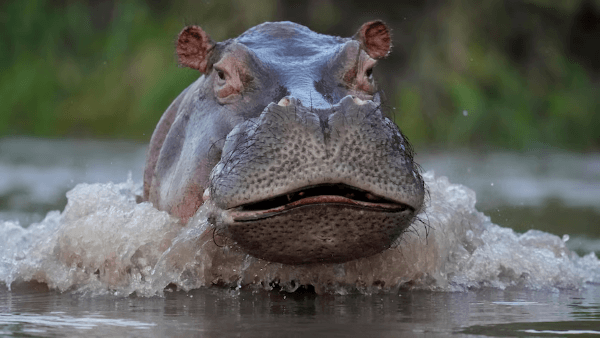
(565, 238)
(465, 113)
(469, 235)
(492, 184)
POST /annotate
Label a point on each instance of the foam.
(106, 243)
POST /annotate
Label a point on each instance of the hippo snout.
(299, 185)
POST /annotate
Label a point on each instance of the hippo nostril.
(206, 195)
(358, 101)
(284, 102)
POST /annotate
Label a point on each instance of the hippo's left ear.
(375, 38)
(194, 47)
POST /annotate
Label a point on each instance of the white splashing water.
(106, 243)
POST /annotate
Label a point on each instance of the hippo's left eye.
(220, 74)
(226, 80)
(369, 73)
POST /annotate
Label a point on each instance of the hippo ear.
(375, 38)
(194, 47)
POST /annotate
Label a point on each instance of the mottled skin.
(283, 137)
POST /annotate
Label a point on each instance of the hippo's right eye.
(220, 74)
(227, 79)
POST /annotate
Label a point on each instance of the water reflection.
(227, 312)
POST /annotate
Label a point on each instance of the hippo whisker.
(215, 235)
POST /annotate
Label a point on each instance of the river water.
(111, 267)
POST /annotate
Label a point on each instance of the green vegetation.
(473, 74)
(67, 73)
(475, 89)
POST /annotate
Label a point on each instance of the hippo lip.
(314, 195)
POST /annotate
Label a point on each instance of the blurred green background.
(515, 74)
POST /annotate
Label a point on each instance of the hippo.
(283, 139)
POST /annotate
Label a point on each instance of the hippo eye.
(220, 73)
(369, 72)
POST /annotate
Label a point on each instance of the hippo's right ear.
(376, 38)
(194, 47)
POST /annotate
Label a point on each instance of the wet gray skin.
(284, 137)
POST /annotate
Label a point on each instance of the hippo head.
(284, 136)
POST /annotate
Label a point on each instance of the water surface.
(104, 256)
(224, 313)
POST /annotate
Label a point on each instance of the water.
(218, 312)
(108, 260)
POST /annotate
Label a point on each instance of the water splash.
(106, 243)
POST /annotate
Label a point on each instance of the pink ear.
(194, 47)
(375, 38)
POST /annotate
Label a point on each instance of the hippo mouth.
(321, 194)
(324, 223)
